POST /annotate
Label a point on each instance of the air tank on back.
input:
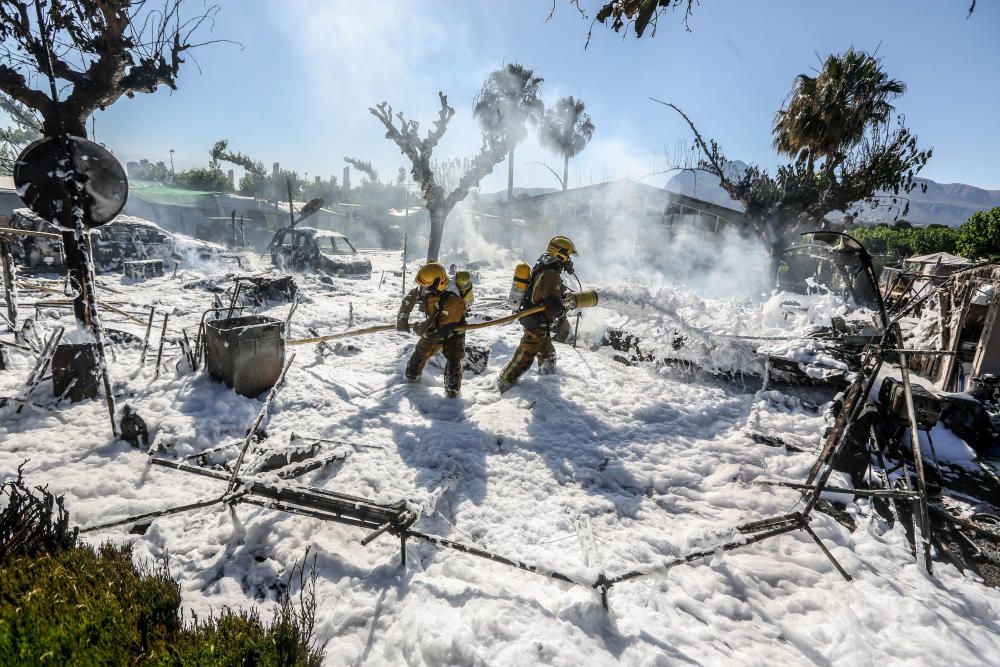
(522, 276)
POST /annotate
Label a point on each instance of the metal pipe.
(145, 339)
(163, 337)
(252, 433)
(924, 548)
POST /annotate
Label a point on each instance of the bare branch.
(553, 171)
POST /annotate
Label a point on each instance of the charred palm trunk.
(565, 182)
(510, 177)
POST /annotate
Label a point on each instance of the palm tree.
(831, 112)
(566, 130)
(509, 100)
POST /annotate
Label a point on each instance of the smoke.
(623, 238)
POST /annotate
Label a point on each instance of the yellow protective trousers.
(535, 343)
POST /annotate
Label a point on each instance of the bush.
(66, 603)
(905, 242)
(207, 180)
(979, 236)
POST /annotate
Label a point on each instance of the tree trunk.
(565, 182)
(510, 176)
(74, 122)
(438, 216)
(775, 249)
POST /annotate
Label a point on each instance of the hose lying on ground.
(584, 299)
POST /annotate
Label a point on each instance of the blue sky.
(299, 89)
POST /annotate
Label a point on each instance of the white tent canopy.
(939, 258)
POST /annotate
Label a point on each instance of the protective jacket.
(443, 313)
(545, 287)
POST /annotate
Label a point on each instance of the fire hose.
(582, 299)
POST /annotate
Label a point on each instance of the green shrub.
(979, 236)
(63, 603)
(900, 243)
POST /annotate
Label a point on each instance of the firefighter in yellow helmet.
(545, 287)
(444, 311)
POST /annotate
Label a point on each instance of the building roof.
(167, 195)
(938, 258)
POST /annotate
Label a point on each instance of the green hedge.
(74, 604)
(979, 236)
(902, 243)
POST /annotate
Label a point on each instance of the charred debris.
(943, 327)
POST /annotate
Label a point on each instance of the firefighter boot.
(454, 352)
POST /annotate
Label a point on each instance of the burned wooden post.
(9, 278)
(145, 339)
(163, 339)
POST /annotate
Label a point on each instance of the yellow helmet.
(432, 275)
(561, 248)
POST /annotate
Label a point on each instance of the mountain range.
(942, 203)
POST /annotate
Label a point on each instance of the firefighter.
(444, 312)
(545, 287)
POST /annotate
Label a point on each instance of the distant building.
(8, 196)
(638, 203)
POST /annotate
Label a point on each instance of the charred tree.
(103, 49)
(847, 151)
(406, 134)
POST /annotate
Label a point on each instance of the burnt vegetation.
(101, 50)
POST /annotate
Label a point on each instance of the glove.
(553, 307)
(421, 328)
(568, 266)
(403, 323)
(569, 301)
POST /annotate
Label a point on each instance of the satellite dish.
(103, 183)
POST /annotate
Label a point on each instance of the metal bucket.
(247, 353)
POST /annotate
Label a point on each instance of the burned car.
(126, 238)
(309, 249)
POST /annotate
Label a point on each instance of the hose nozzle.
(584, 299)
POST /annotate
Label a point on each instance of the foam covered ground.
(600, 468)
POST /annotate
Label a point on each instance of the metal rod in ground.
(187, 350)
(236, 295)
(370, 537)
(291, 312)
(145, 339)
(298, 469)
(163, 338)
(874, 493)
(826, 552)
(156, 514)
(924, 538)
(44, 359)
(481, 553)
(699, 555)
(251, 435)
(9, 281)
